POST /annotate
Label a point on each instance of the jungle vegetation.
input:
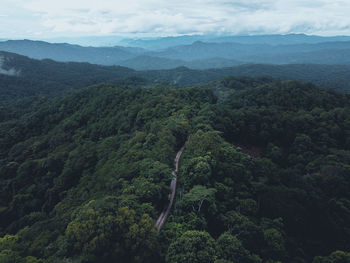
(265, 176)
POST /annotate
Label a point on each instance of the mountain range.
(176, 162)
(21, 76)
(200, 54)
(166, 42)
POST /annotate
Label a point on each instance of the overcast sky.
(57, 18)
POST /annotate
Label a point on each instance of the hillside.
(31, 77)
(264, 176)
(69, 53)
(48, 77)
(320, 53)
(327, 76)
(159, 63)
(206, 54)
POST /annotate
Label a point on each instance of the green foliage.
(95, 231)
(192, 246)
(199, 170)
(335, 257)
(231, 249)
(9, 256)
(197, 195)
(8, 242)
(263, 178)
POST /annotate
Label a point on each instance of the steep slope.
(45, 77)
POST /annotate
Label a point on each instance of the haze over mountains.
(154, 43)
(188, 131)
(195, 52)
(21, 76)
(85, 174)
(88, 137)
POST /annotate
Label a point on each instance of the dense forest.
(265, 176)
(31, 78)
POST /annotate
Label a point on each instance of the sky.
(41, 19)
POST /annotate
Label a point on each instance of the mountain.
(211, 63)
(22, 77)
(321, 53)
(157, 43)
(263, 177)
(158, 63)
(149, 63)
(69, 53)
(163, 42)
(197, 55)
(287, 39)
(167, 42)
(88, 41)
(29, 77)
(328, 76)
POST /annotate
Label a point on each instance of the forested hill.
(67, 52)
(264, 177)
(211, 53)
(47, 77)
(22, 77)
(327, 76)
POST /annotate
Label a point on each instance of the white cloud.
(159, 17)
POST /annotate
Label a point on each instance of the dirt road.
(163, 216)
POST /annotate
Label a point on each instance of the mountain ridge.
(44, 77)
(209, 54)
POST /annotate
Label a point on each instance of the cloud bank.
(50, 18)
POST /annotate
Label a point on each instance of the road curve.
(163, 216)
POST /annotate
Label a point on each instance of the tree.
(231, 249)
(336, 257)
(197, 195)
(199, 170)
(192, 247)
(100, 232)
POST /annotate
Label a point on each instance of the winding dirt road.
(163, 216)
